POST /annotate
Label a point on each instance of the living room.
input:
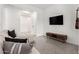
(13, 17)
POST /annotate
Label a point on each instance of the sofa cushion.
(1, 50)
(16, 48)
(1, 43)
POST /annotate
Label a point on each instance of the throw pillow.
(12, 33)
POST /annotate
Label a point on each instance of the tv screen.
(56, 20)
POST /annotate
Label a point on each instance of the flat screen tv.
(56, 20)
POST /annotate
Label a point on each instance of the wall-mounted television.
(56, 20)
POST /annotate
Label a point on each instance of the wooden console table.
(59, 37)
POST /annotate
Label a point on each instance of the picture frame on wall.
(77, 19)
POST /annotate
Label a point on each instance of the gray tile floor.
(49, 46)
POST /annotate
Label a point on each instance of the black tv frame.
(54, 20)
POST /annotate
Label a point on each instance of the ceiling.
(38, 6)
(41, 6)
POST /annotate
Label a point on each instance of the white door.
(26, 23)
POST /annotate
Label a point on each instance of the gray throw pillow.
(16, 48)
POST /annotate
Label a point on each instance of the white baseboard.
(72, 43)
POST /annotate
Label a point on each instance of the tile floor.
(49, 46)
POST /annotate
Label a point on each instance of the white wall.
(39, 21)
(42, 23)
(69, 22)
(1, 16)
(12, 18)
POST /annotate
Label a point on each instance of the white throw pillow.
(27, 35)
(22, 35)
(4, 33)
